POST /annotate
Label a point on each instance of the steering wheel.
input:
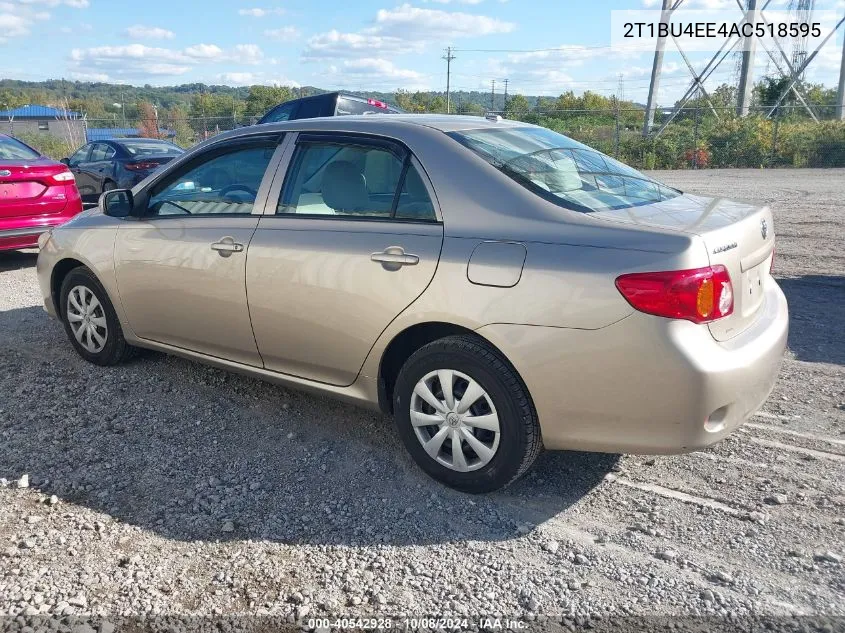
(237, 187)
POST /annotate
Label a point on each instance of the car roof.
(378, 124)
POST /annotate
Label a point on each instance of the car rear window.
(13, 149)
(563, 171)
(149, 148)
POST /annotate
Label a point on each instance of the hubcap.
(455, 420)
(87, 319)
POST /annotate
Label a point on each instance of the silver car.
(495, 286)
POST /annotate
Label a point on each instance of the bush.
(47, 144)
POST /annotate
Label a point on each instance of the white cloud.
(14, 25)
(260, 13)
(141, 32)
(434, 24)
(75, 4)
(402, 30)
(101, 77)
(204, 51)
(336, 44)
(456, 1)
(251, 79)
(137, 60)
(247, 54)
(283, 34)
(379, 67)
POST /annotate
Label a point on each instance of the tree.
(517, 105)
(262, 98)
(148, 125)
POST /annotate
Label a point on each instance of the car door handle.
(394, 257)
(226, 246)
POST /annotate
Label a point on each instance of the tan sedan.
(496, 286)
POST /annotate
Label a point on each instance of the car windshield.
(151, 148)
(563, 171)
(13, 149)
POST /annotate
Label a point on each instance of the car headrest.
(344, 187)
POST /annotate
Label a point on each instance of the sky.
(542, 47)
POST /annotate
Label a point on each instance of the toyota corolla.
(495, 286)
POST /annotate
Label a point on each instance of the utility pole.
(746, 81)
(656, 69)
(505, 107)
(492, 95)
(449, 57)
(840, 101)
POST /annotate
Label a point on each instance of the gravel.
(166, 488)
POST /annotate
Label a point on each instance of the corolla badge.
(764, 228)
(5, 172)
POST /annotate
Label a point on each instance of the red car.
(36, 193)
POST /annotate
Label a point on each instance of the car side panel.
(317, 300)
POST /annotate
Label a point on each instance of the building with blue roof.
(40, 119)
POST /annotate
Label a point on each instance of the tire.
(114, 348)
(108, 185)
(505, 397)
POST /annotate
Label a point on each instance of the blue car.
(117, 163)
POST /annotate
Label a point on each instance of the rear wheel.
(90, 320)
(465, 415)
(108, 185)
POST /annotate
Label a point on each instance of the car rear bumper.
(26, 237)
(646, 384)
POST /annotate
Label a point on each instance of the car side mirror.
(118, 203)
(65, 161)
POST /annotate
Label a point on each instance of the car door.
(99, 165)
(181, 267)
(350, 237)
(77, 163)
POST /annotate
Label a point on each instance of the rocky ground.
(166, 488)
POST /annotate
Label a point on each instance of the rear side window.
(101, 152)
(354, 180)
(13, 149)
(283, 112)
(346, 106)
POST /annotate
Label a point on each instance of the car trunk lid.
(28, 189)
(738, 235)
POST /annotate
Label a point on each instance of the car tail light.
(699, 295)
(772, 262)
(62, 178)
(378, 104)
(141, 166)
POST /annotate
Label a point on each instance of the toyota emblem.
(5, 172)
(764, 228)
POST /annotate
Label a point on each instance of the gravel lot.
(164, 487)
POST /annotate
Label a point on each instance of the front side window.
(13, 149)
(222, 183)
(79, 156)
(354, 180)
(563, 171)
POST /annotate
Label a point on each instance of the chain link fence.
(696, 138)
(701, 137)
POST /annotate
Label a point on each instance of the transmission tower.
(800, 11)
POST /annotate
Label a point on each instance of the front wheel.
(90, 320)
(465, 415)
